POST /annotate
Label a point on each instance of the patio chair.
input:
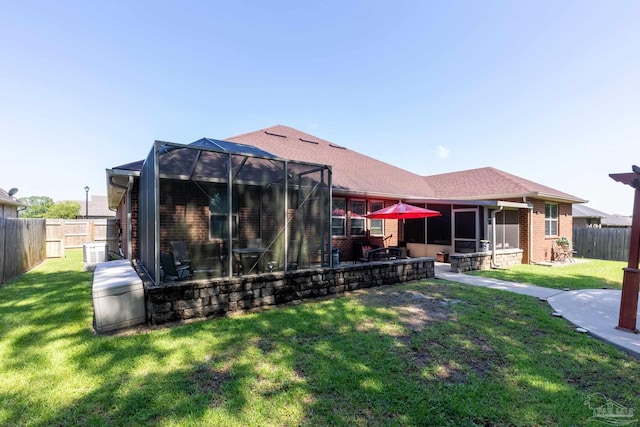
(179, 249)
(180, 253)
(173, 270)
(561, 253)
(377, 254)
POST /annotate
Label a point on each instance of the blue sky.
(546, 90)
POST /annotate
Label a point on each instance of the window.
(357, 217)
(376, 226)
(219, 226)
(219, 216)
(507, 229)
(550, 219)
(338, 217)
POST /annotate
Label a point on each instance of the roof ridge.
(456, 172)
(512, 178)
(307, 135)
(252, 132)
(515, 180)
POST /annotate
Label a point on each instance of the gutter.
(112, 182)
(536, 195)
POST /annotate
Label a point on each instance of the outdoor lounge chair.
(180, 253)
(173, 270)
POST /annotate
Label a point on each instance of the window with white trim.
(357, 217)
(338, 217)
(550, 219)
(219, 216)
(376, 226)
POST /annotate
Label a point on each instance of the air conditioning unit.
(94, 253)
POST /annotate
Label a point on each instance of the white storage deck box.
(118, 296)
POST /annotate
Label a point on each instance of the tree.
(63, 210)
(37, 206)
(44, 207)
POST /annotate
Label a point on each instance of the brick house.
(512, 213)
(529, 216)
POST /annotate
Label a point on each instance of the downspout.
(493, 237)
(530, 230)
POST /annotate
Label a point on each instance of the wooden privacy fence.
(22, 246)
(74, 233)
(602, 243)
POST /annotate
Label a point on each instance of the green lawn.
(427, 353)
(583, 274)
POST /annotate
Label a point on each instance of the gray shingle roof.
(98, 207)
(583, 211)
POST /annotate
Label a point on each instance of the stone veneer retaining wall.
(482, 260)
(193, 299)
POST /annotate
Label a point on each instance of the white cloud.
(443, 152)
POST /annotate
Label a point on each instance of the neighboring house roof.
(353, 172)
(583, 211)
(607, 220)
(98, 207)
(491, 183)
(6, 199)
(357, 174)
(616, 221)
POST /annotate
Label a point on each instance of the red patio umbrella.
(402, 211)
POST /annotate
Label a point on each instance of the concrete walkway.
(595, 310)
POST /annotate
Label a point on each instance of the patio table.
(250, 258)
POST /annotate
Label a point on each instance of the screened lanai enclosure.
(221, 209)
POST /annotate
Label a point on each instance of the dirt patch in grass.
(210, 381)
(442, 357)
(416, 310)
